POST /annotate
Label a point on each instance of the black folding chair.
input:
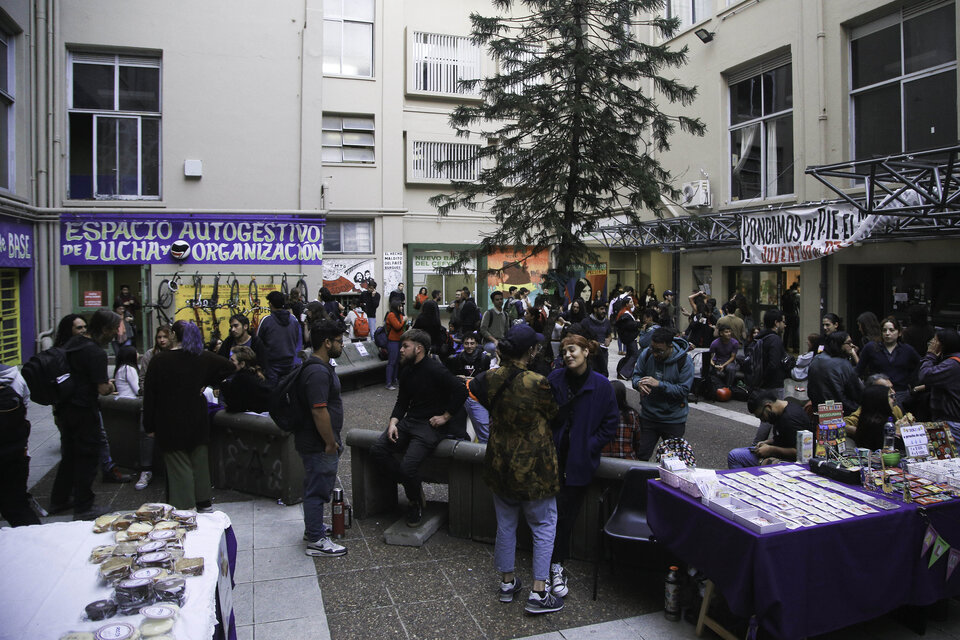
(629, 518)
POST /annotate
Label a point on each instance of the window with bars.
(10, 317)
(425, 155)
(903, 82)
(348, 37)
(348, 237)
(348, 139)
(761, 131)
(7, 111)
(440, 62)
(114, 117)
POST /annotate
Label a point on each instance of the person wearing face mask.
(663, 375)
(587, 419)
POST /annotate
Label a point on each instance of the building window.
(761, 133)
(348, 237)
(425, 155)
(440, 62)
(114, 115)
(689, 12)
(7, 110)
(348, 37)
(348, 139)
(425, 265)
(903, 82)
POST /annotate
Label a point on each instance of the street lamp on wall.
(704, 35)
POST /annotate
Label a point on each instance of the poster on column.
(796, 235)
(346, 275)
(507, 269)
(588, 284)
(392, 271)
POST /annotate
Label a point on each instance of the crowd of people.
(531, 376)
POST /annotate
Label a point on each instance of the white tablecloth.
(47, 580)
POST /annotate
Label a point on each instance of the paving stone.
(243, 571)
(417, 582)
(243, 603)
(354, 590)
(439, 620)
(282, 562)
(288, 599)
(382, 623)
(312, 628)
(278, 534)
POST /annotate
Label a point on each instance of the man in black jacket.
(240, 336)
(776, 362)
(429, 396)
(471, 362)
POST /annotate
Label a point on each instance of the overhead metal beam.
(918, 193)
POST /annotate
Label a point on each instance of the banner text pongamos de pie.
(796, 235)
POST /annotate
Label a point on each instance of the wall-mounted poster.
(392, 271)
(508, 269)
(347, 276)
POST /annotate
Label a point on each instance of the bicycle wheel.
(253, 297)
(284, 287)
(164, 294)
(234, 292)
(302, 287)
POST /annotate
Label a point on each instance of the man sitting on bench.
(429, 395)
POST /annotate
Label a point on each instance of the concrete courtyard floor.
(445, 589)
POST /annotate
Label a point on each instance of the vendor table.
(48, 580)
(811, 580)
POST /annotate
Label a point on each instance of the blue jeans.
(742, 457)
(480, 418)
(541, 517)
(319, 478)
(373, 324)
(393, 360)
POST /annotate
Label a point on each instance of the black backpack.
(48, 375)
(753, 364)
(286, 403)
(14, 427)
(380, 337)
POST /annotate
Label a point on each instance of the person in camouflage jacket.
(520, 465)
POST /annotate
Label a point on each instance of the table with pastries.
(834, 571)
(51, 574)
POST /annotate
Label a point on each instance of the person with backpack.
(395, 325)
(769, 363)
(318, 438)
(281, 337)
(494, 324)
(358, 324)
(77, 417)
(370, 302)
(663, 376)
(520, 466)
(175, 412)
(14, 458)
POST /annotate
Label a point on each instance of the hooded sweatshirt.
(282, 340)
(667, 402)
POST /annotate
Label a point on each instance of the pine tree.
(575, 120)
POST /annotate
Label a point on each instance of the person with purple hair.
(175, 411)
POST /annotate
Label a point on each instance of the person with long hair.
(649, 297)
(175, 412)
(889, 356)
(586, 421)
(395, 325)
(831, 322)
(744, 312)
(940, 375)
(72, 324)
(429, 321)
(869, 327)
(125, 374)
(246, 389)
(420, 298)
(161, 342)
(520, 465)
(876, 407)
(628, 328)
(832, 377)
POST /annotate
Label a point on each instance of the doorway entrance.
(94, 288)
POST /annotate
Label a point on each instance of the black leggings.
(569, 501)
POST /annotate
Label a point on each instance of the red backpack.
(361, 327)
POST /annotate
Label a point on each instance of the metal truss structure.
(917, 193)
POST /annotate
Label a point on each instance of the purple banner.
(16, 243)
(193, 239)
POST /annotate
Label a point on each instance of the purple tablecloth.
(930, 583)
(803, 582)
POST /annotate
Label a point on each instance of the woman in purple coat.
(586, 421)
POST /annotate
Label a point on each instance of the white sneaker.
(558, 580)
(325, 547)
(145, 478)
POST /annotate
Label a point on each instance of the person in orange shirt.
(395, 326)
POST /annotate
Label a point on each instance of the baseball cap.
(668, 292)
(523, 336)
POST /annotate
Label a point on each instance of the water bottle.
(889, 435)
(671, 594)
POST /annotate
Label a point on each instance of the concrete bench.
(248, 452)
(459, 465)
(358, 366)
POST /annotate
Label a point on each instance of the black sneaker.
(547, 603)
(414, 514)
(508, 589)
(92, 512)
